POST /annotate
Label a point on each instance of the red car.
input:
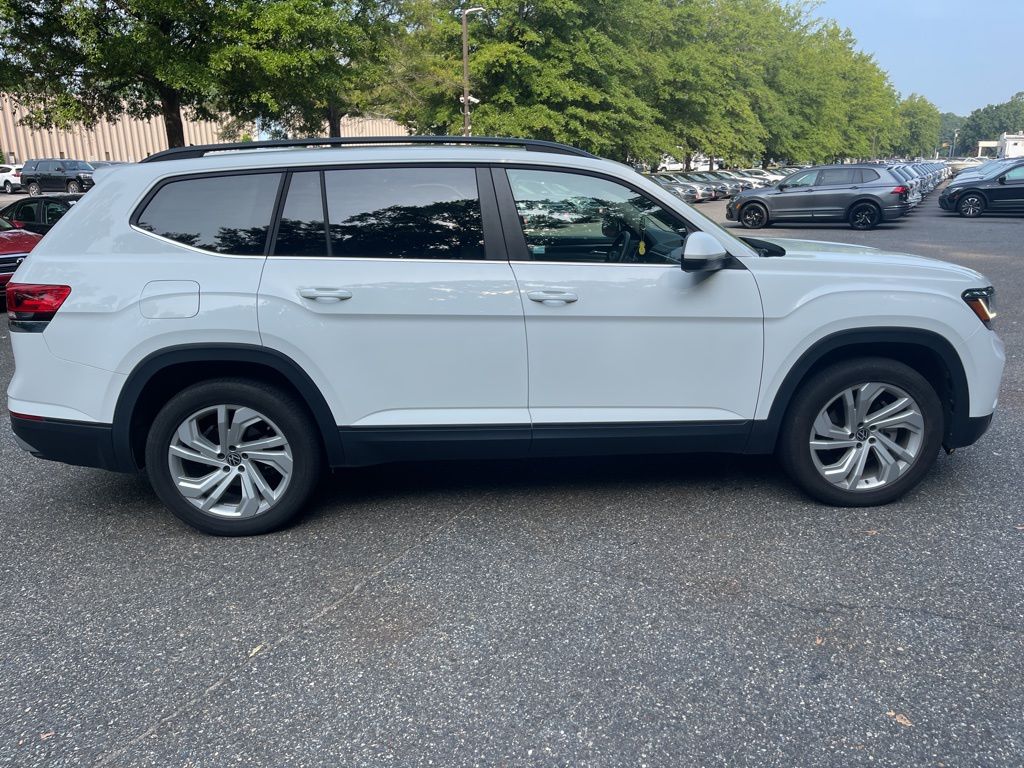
(14, 247)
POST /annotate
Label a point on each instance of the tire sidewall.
(981, 206)
(73, 188)
(8, 188)
(793, 448)
(288, 414)
(34, 189)
(859, 206)
(757, 206)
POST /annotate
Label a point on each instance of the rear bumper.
(82, 443)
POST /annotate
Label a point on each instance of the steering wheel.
(622, 247)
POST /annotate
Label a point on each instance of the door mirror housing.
(1002, 179)
(702, 253)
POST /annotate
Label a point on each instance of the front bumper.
(969, 432)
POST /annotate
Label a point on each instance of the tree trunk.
(333, 121)
(170, 105)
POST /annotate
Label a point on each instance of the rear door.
(835, 190)
(392, 288)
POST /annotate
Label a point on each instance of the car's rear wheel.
(233, 457)
(753, 216)
(8, 188)
(74, 187)
(865, 216)
(971, 206)
(34, 189)
(862, 432)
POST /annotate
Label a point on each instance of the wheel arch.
(858, 201)
(167, 371)
(755, 201)
(925, 351)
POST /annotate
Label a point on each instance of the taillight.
(901, 190)
(30, 303)
(17, 172)
(983, 302)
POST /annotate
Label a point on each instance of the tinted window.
(805, 179)
(404, 213)
(868, 175)
(571, 217)
(1017, 174)
(302, 231)
(223, 214)
(831, 176)
(53, 211)
(27, 212)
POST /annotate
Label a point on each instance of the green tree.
(949, 124)
(987, 123)
(920, 131)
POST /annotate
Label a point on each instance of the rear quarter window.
(228, 214)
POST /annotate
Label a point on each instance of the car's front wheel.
(233, 457)
(862, 432)
(753, 216)
(74, 187)
(971, 206)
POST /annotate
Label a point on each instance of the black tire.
(74, 187)
(8, 188)
(753, 216)
(33, 189)
(971, 205)
(865, 216)
(794, 450)
(289, 416)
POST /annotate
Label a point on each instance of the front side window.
(1017, 174)
(805, 179)
(571, 217)
(404, 213)
(223, 214)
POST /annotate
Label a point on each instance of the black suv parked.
(862, 195)
(56, 175)
(1001, 190)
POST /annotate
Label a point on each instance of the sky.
(959, 54)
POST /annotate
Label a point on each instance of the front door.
(1008, 196)
(618, 335)
(793, 198)
(383, 285)
(27, 216)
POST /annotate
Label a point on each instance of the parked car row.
(49, 175)
(863, 195)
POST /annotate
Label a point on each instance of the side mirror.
(782, 186)
(1002, 179)
(702, 253)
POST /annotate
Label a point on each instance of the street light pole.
(465, 68)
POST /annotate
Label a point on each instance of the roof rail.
(533, 145)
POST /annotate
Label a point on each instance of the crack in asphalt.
(192, 702)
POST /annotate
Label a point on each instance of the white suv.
(233, 319)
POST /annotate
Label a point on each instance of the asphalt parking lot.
(667, 611)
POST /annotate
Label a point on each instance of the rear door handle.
(551, 298)
(325, 294)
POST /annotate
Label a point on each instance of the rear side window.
(868, 175)
(404, 213)
(302, 231)
(222, 214)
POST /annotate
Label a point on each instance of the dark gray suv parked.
(862, 195)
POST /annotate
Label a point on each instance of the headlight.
(983, 302)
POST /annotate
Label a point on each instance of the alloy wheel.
(230, 461)
(867, 436)
(753, 216)
(971, 206)
(864, 217)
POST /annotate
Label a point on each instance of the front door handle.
(325, 294)
(552, 298)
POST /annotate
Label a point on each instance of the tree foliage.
(987, 123)
(743, 80)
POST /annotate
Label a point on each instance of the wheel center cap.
(234, 459)
(862, 433)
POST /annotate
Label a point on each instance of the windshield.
(76, 165)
